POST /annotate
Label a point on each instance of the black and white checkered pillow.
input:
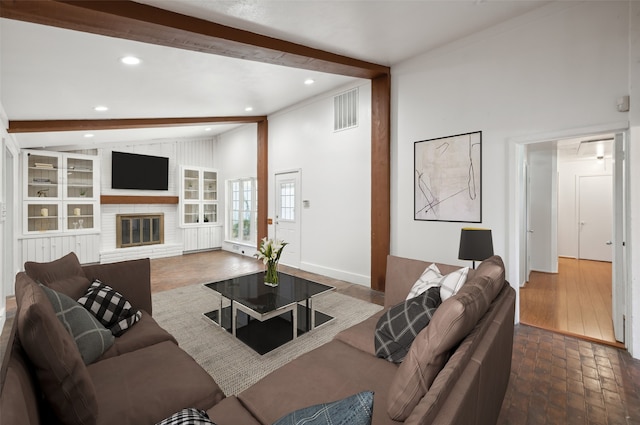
(110, 307)
(399, 326)
(189, 416)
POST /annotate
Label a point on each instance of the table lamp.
(475, 244)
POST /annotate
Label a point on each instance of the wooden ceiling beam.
(123, 124)
(148, 24)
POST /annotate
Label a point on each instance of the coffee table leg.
(234, 313)
(295, 321)
(312, 313)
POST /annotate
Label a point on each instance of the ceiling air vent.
(345, 110)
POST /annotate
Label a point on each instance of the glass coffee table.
(265, 317)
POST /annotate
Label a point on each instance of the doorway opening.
(574, 237)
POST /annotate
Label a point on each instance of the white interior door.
(287, 226)
(595, 212)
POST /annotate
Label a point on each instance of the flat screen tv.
(135, 171)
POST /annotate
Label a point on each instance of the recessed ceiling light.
(309, 81)
(249, 108)
(100, 108)
(88, 135)
(130, 60)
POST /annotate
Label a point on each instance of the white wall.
(335, 178)
(558, 68)
(237, 158)
(568, 174)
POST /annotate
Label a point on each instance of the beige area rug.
(233, 365)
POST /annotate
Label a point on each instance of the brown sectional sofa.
(456, 372)
(142, 378)
(467, 345)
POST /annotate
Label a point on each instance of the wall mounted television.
(142, 172)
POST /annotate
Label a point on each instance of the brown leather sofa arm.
(131, 278)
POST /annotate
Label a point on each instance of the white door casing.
(618, 274)
(287, 216)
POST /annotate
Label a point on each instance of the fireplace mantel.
(118, 199)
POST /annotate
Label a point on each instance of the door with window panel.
(288, 205)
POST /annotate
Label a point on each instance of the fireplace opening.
(139, 230)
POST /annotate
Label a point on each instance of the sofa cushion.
(354, 410)
(145, 333)
(110, 307)
(63, 275)
(62, 375)
(187, 416)
(490, 275)
(231, 412)
(451, 322)
(150, 384)
(90, 336)
(359, 336)
(399, 326)
(306, 381)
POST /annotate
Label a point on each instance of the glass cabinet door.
(210, 186)
(42, 176)
(191, 184)
(42, 217)
(210, 213)
(191, 213)
(80, 216)
(79, 178)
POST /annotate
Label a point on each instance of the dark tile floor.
(558, 379)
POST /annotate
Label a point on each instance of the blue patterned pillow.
(354, 410)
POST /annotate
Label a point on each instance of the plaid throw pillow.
(400, 325)
(91, 337)
(189, 416)
(110, 307)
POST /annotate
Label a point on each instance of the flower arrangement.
(269, 252)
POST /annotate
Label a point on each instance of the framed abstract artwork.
(448, 178)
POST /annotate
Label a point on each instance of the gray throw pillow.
(354, 410)
(399, 326)
(91, 338)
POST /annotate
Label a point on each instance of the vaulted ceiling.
(51, 73)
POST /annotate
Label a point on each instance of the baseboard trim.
(337, 274)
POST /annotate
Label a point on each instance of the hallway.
(575, 301)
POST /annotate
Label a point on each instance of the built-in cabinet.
(60, 199)
(199, 208)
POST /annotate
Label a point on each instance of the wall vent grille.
(345, 110)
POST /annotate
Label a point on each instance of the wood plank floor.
(212, 266)
(575, 301)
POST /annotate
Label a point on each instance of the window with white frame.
(242, 208)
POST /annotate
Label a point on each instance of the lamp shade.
(475, 244)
